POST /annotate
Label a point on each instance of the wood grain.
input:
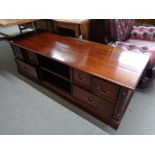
(116, 65)
(11, 22)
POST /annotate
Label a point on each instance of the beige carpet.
(25, 110)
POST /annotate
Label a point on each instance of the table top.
(11, 22)
(116, 65)
(73, 21)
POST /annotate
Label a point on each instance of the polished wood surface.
(113, 64)
(12, 22)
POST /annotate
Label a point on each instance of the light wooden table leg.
(77, 31)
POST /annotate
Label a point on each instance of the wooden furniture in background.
(98, 30)
(45, 24)
(12, 22)
(85, 29)
(26, 26)
(71, 24)
(145, 22)
(97, 78)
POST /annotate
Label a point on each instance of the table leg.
(77, 31)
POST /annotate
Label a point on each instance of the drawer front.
(17, 51)
(105, 89)
(92, 101)
(27, 69)
(82, 78)
(31, 57)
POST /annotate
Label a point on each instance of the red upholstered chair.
(141, 39)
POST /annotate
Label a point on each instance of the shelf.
(51, 80)
(54, 67)
(51, 72)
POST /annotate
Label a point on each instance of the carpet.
(24, 110)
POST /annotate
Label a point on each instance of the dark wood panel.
(105, 89)
(98, 30)
(17, 51)
(93, 101)
(27, 69)
(55, 81)
(54, 66)
(122, 103)
(30, 57)
(82, 78)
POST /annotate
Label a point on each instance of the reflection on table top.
(117, 65)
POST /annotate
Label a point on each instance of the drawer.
(92, 101)
(27, 69)
(31, 57)
(105, 89)
(17, 51)
(82, 78)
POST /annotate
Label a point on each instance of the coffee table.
(98, 78)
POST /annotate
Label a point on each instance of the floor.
(28, 108)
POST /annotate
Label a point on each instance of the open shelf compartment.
(60, 69)
(54, 81)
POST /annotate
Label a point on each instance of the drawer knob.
(81, 78)
(89, 101)
(31, 56)
(25, 68)
(102, 90)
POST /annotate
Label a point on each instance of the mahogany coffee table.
(97, 78)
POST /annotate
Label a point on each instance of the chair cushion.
(140, 46)
(150, 44)
(143, 33)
